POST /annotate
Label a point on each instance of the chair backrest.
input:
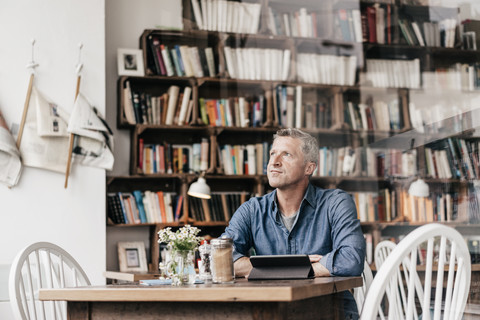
(434, 245)
(396, 290)
(382, 250)
(42, 265)
(361, 292)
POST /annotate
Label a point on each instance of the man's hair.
(309, 143)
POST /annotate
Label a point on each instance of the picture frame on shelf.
(132, 256)
(130, 62)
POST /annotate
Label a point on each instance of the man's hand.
(242, 267)
(318, 268)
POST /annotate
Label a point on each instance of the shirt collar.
(309, 197)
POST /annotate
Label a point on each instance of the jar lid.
(222, 242)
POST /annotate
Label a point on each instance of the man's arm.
(242, 267)
(348, 254)
(318, 268)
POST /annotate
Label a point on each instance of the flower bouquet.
(182, 245)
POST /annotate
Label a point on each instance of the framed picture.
(130, 62)
(132, 256)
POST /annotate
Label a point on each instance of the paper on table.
(156, 282)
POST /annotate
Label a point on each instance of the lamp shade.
(199, 189)
(419, 188)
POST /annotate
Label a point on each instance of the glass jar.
(222, 260)
(181, 267)
(205, 261)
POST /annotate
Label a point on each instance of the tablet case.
(280, 267)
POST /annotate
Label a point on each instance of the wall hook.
(32, 64)
(79, 63)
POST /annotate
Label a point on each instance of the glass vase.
(182, 267)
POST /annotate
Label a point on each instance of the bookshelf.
(333, 80)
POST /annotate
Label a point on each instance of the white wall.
(125, 22)
(39, 208)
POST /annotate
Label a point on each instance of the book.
(178, 208)
(167, 196)
(128, 109)
(173, 93)
(139, 200)
(198, 14)
(115, 208)
(195, 62)
(167, 60)
(418, 33)
(184, 106)
(210, 61)
(176, 62)
(187, 61)
(299, 111)
(158, 57)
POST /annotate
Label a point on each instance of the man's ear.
(310, 168)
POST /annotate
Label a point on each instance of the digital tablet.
(277, 267)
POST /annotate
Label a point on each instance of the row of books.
(171, 108)
(365, 162)
(375, 206)
(251, 159)
(350, 23)
(299, 23)
(296, 107)
(234, 112)
(385, 73)
(461, 76)
(220, 207)
(258, 63)
(453, 158)
(227, 16)
(377, 24)
(291, 108)
(439, 206)
(326, 69)
(138, 207)
(388, 205)
(429, 33)
(173, 158)
(181, 60)
(379, 115)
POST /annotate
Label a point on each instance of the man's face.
(286, 165)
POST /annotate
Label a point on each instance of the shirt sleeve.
(348, 243)
(239, 229)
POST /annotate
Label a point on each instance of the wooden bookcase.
(336, 133)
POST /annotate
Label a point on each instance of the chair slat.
(38, 260)
(451, 274)
(428, 281)
(439, 286)
(452, 312)
(411, 284)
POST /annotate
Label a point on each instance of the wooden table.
(286, 299)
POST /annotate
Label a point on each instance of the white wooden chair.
(42, 265)
(396, 292)
(361, 292)
(382, 250)
(435, 245)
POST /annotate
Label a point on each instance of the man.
(297, 217)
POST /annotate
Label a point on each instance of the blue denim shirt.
(326, 224)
